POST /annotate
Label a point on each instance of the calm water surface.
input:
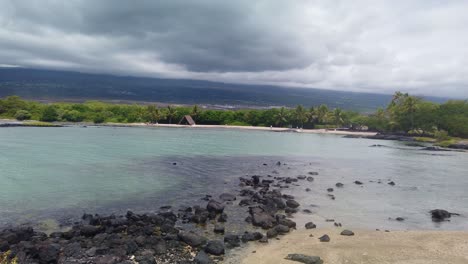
(63, 172)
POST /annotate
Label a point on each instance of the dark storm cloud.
(201, 35)
(417, 46)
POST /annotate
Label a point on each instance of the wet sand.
(366, 247)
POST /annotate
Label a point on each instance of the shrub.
(441, 135)
(22, 115)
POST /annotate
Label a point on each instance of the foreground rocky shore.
(167, 236)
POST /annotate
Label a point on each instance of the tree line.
(404, 114)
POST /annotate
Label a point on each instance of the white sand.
(366, 247)
(277, 129)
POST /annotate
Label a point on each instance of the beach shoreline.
(365, 247)
(259, 128)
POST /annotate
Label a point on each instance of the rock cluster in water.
(157, 237)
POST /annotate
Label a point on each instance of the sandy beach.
(273, 129)
(395, 247)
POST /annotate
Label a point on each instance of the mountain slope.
(62, 85)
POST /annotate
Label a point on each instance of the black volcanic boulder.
(49, 253)
(439, 215)
(292, 204)
(215, 247)
(191, 239)
(261, 218)
(251, 236)
(90, 230)
(215, 206)
(232, 241)
(310, 225)
(203, 258)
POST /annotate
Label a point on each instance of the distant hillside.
(61, 85)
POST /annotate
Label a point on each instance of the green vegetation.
(405, 114)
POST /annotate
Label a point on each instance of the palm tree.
(322, 113)
(312, 115)
(195, 113)
(281, 117)
(153, 113)
(300, 115)
(410, 107)
(171, 113)
(338, 116)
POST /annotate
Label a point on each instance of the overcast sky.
(375, 46)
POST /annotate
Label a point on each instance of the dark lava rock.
(290, 210)
(310, 179)
(301, 177)
(400, 219)
(304, 259)
(272, 233)
(89, 230)
(261, 218)
(391, 183)
(202, 258)
(358, 182)
(324, 238)
(292, 204)
(49, 253)
(192, 239)
(339, 184)
(330, 190)
(249, 236)
(439, 215)
(281, 229)
(219, 229)
(222, 218)
(307, 211)
(282, 220)
(227, 197)
(232, 241)
(215, 247)
(307, 189)
(313, 173)
(347, 232)
(263, 240)
(215, 206)
(310, 225)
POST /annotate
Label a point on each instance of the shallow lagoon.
(60, 173)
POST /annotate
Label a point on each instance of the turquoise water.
(62, 172)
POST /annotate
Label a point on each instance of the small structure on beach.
(187, 120)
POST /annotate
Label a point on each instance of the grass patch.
(447, 143)
(40, 124)
(425, 139)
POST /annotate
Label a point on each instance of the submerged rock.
(324, 238)
(215, 247)
(227, 197)
(215, 206)
(310, 225)
(304, 259)
(192, 239)
(439, 215)
(347, 232)
(202, 258)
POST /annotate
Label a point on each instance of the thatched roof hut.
(187, 120)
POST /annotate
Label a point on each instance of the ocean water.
(59, 173)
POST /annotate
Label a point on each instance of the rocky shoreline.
(162, 237)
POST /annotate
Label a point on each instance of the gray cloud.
(374, 46)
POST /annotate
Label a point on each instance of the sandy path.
(376, 247)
